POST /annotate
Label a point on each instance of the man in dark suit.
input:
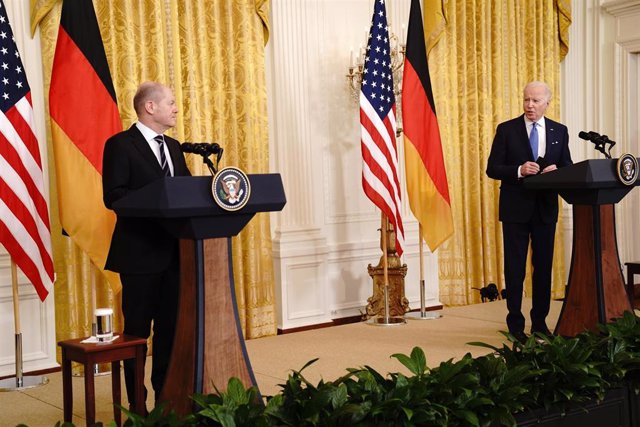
(525, 146)
(144, 254)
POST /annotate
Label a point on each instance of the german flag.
(425, 171)
(84, 113)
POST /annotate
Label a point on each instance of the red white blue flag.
(378, 125)
(24, 216)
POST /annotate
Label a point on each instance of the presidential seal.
(627, 169)
(231, 189)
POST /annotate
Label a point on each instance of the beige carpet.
(273, 358)
(359, 344)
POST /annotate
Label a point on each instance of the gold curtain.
(212, 55)
(485, 55)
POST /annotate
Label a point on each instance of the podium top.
(190, 196)
(588, 174)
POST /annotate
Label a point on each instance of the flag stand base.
(20, 381)
(27, 381)
(426, 315)
(423, 314)
(386, 320)
(390, 321)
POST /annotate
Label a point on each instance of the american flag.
(24, 215)
(378, 124)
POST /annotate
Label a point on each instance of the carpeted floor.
(273, 358)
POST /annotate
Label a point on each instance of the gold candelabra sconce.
(356, 72)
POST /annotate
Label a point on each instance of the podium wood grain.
(209, 346)
(223, 351)
(580, 311)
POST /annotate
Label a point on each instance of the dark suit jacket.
(510, 149)
(138, 245)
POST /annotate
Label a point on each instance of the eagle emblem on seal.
(231, 188)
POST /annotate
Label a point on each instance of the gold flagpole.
(385, 266)
(422, 296)
(19, 382)
(387, 320)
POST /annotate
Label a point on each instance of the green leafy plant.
(236, 407)
(620, 349)
(544, 374)
(561, 371)
(158, 417)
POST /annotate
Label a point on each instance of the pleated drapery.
(212, 55)
(486, 51)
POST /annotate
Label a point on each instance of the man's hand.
(549, 168)
(530, 168)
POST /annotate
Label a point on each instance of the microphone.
(594, 137)
(599, 140)
(201, 148)
(205, 149)
(588, 136)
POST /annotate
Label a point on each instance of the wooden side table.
(89, 354)
(633, 268)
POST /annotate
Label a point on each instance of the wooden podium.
(595, 292)
(208, 347)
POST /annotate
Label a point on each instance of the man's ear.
(149, 107)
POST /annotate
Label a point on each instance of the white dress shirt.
(149, 134)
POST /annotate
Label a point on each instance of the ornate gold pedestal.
(398, 304)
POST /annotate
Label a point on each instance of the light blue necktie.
(533, 140)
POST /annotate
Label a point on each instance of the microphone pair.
(600, 141)
(202, 148)
(205, 149)
(596, 138)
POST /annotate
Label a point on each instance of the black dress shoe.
(520, 336)
(133, 410)
(546, 332)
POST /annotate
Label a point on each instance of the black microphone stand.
(205, 150)
(599, 142)
(599, 146)
(611, 144)
(207, 161)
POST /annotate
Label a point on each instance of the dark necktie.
(533, 140)
(163, 159)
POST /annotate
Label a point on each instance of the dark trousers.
(147, 298)
(516, 237)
